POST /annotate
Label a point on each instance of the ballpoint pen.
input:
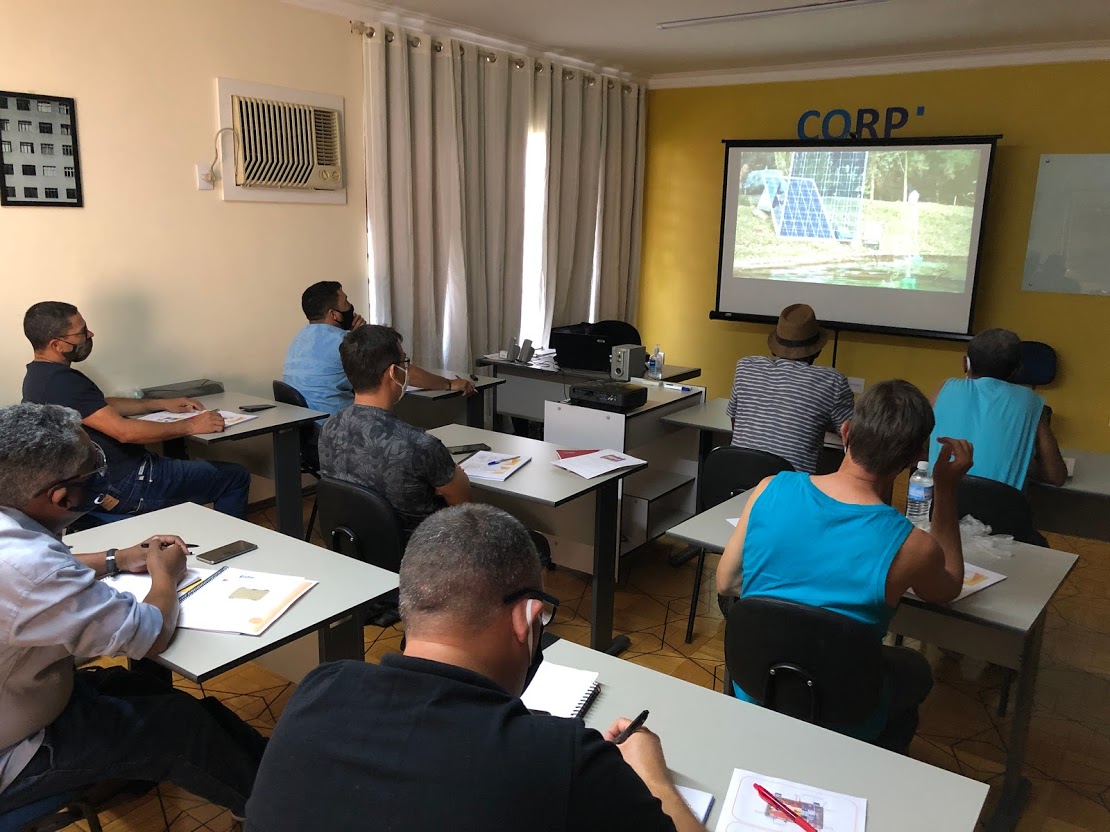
(783, 809)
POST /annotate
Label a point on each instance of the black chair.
(1038, 364)
(310, 440)
(805, 662)
(728, 471)
(359, 522)
(51, 813)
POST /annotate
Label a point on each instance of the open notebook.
(561, 691)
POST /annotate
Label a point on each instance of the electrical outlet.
(204, 177)
(856, 384)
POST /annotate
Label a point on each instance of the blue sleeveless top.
(801, 545)
(998, 418)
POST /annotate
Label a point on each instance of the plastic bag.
(976, 537)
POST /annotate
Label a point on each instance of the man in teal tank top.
(1007, 423)
(832, 542)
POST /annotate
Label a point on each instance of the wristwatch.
(110, 566)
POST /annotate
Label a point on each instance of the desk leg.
(606, 506)
(1015, 787)
(287, 482)
(342, 639)
(476, 409)
(705, 445)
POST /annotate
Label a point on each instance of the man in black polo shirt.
(438, 738)
(139, 481)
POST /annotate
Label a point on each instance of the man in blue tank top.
(1007, 423)
(832, 542)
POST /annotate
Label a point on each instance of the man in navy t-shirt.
(140, 481)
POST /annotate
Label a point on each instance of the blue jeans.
(128, 725)
(162, 481)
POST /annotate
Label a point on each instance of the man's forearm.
(422, 378)
(945, 528)
(95, 562)
(676, 808)
(133, 407)
(163, 595)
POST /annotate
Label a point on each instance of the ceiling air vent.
(282, 145)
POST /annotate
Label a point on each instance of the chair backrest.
(310, 433)
(805, 662)
(1038, 364)
(728, 471)
(359, 522)
(1002, 507)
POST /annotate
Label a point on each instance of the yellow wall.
(1039, 109)
(175, 282)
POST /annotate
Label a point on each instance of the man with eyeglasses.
(139, 481)
(63, 729)
(438, 738)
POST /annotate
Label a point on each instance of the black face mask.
(348, 319)
(80, 352)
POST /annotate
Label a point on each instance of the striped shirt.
(784, 407)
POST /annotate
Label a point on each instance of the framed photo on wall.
(39, 159)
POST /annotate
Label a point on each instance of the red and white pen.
(784, 809)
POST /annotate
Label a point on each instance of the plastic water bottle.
(919, 500)
(655, 365)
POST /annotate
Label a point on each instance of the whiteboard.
(1069, 237)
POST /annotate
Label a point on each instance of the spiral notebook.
(561, 691)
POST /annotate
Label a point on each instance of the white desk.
(283, 423)
(1002, 624)
(431, 408)
(345, 584)
(539, 483)
(1081, 506)
(706, 735)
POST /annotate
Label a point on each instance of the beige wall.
(175, 282)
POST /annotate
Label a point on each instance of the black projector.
(608, 395)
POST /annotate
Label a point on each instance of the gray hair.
(40, 444)
(461, 563)
(890, 427)
(995, 353)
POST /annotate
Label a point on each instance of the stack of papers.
(561, 691)
(975, 579)
(595, 464)
(745, 811)
(164, 417)
(699, 802)
(487, 465)
(138, 585)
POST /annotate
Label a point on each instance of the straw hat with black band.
(797, 335)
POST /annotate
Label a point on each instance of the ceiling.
(622, 34)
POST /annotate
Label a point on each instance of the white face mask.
(405, 383)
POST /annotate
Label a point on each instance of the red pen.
(779, 806)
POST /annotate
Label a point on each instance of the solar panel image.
(799, 212)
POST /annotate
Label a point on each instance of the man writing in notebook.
(63, 729)
(832, 542)
(438, 738)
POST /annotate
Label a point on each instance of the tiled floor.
(1069, 748)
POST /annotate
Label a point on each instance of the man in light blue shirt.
(1007, 423)
(312, 364)
(63, 729)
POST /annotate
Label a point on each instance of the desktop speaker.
(627, 362)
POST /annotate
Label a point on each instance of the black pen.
(634, 726)
(164, 545)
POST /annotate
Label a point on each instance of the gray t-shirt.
(372, 447)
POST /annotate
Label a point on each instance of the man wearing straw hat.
(783, 404)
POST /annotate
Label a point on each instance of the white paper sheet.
(597, 463)
(138, 585)
(164, 417)
(975, 578)
(237, 601)
(699, 802)
(559, 690)
(487, 465)
(745, 811)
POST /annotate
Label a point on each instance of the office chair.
(359, 522)
(805, 662)
(51, 813)
(310, 440)
(726, 472)
(1038, 364)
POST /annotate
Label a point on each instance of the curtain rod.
(360, 28)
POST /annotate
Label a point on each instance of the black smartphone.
(467, 449)
(231, 550)
(255, 408)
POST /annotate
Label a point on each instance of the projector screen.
(880, 236)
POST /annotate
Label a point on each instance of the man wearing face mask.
(367, 444)
(312, 364)
(139, 481)
(438, 738)
(64, 729)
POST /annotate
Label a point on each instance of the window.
(9, 192)
(69, 173)
(67, 150)
(46, 127)
(50, 193)
(63, 109)
(5, 146)
(66, 129)
(28, 170)
(44, 106)
(49, 170)
(4, 102)
(30, 193)
(46, 149)
(26, 147)
(23, 104)
(9, 170)
(71, 193)
(24, 126)
(4, 123)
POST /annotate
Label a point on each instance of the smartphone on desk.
(256, 408)
(455, 450)
(231, 550)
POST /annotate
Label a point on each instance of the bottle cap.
(923, 465)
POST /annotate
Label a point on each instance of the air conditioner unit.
(285, 145)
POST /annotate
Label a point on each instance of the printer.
(587, 346)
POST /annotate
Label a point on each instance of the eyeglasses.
(550, 602)
(84, 333)
(101, 470)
